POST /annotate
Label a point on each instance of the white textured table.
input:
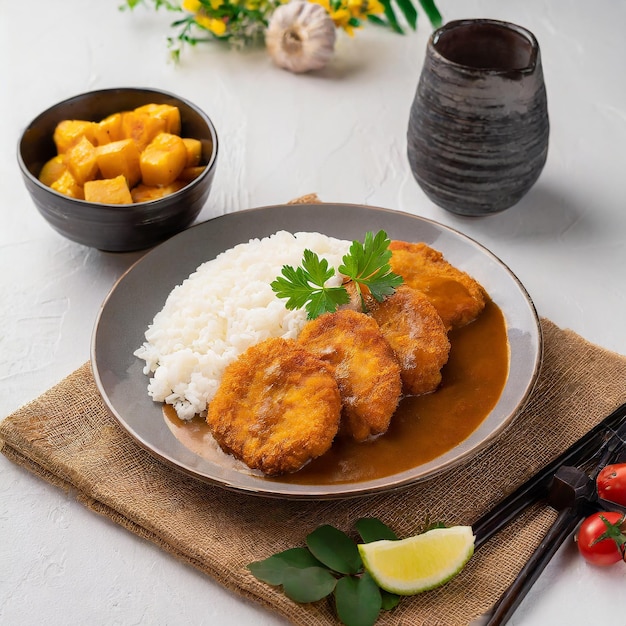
(341, 134)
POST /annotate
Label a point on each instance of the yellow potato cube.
(69, 132)
(119, 158)
(166, 112)
(81, 161)
(52, 170)
(194, 151)
(108, 130)
(163, 160)
(108, 191)
(189, 173)
(142, 128)
(66, 184)
(144, 193)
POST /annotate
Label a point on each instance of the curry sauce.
(422, 428)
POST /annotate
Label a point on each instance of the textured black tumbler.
(478, 128)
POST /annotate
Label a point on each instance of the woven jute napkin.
(67, 437)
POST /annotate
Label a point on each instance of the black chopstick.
(563, 526)
(605, 444)
(583, 450)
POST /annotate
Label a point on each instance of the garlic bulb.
(300, 36)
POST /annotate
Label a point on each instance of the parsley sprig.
(305, 286)
(366, 267)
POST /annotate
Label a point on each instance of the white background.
(339, 133)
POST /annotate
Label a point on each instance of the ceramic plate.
(141, 293)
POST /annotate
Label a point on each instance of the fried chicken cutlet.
(365, 367)
(458, 298)
(277, 407)
(418, 336)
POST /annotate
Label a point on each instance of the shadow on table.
(544, 213)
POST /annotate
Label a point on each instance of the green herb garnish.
(305, 286)
(331, 564)
(366, 266)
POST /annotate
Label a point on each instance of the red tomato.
(607, 551)
(611, 483)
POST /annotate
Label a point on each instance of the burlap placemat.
(67, 437)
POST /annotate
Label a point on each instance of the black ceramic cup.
(478, 127)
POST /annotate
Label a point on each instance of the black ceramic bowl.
(114, 227)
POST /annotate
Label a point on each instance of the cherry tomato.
(606, 551)
(611, 483)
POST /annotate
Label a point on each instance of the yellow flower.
(341, 18)
(217, 27)
(362, 8)
(345, 12)
(356, 7)
(374, 7)
(193, 6)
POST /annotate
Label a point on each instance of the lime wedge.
(418, 563)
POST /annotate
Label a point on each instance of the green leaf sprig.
(305, 286)
(366, 266)
(408, 10)
(331, 564)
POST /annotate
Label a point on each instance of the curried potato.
(67, 185)
(120, 158)
(52, 170)
(166, 112)
(191, 173)
(81, 161)
(69, 132)
(143, 146)
(144, 193)
(108, 191)
(163, 160)
(108, 130)
(142, 128)
(194, 151)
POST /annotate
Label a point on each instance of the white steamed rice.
(223, 308)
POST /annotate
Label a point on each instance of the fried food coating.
(418, 336)
(458, 298)
(277, 407)
(365, 367)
